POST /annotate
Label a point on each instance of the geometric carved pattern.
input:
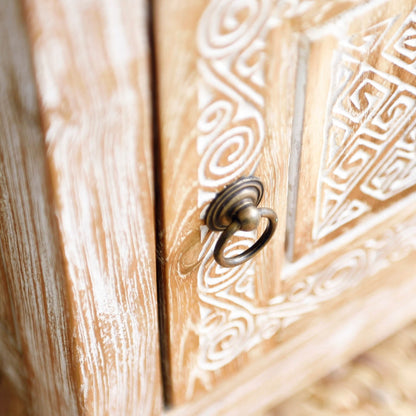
(231, 132)
(370, 137)
(231, 40)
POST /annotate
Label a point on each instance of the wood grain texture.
(314, 347)
(247, 92)
(35, 347)
(11, 363)
(358, 154)
(91, 67)
(199, 100)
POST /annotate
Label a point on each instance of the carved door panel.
(317, 99)
(358, 151)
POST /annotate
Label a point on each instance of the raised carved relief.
(370, 150)
(231, 135)
(369, 121)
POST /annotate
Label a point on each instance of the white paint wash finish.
(91, 64)
(35, 346)
(372, 145)
(231, 134)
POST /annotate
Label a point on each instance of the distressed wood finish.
(315, 346)
(215, 121)
(238, 94)
(35, 343)
(359, 152)
(247, 91)
(92, 73)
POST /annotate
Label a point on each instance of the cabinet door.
(317, 99)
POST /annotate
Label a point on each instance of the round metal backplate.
(223, 208)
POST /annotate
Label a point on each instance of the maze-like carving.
(370, 151)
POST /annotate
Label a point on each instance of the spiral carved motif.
(222, 32)
(213, 278)
(227, 340)
(231, 135)
(341, 274)
(231, 132)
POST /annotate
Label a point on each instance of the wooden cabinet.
(315, 98)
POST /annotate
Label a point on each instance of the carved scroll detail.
(231, 134)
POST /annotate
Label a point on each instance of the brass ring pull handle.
(235, 209)
(251, 251)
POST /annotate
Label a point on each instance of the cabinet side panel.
(35, 346)
(92, 69)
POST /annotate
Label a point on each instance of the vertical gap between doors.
(163, 321)
(296, 147)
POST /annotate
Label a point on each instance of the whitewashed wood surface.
(36, 349)
(77, 218)
(317, 99)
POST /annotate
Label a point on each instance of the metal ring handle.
(236, 208)
(251, 251)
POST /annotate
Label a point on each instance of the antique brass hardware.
(235, 208)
